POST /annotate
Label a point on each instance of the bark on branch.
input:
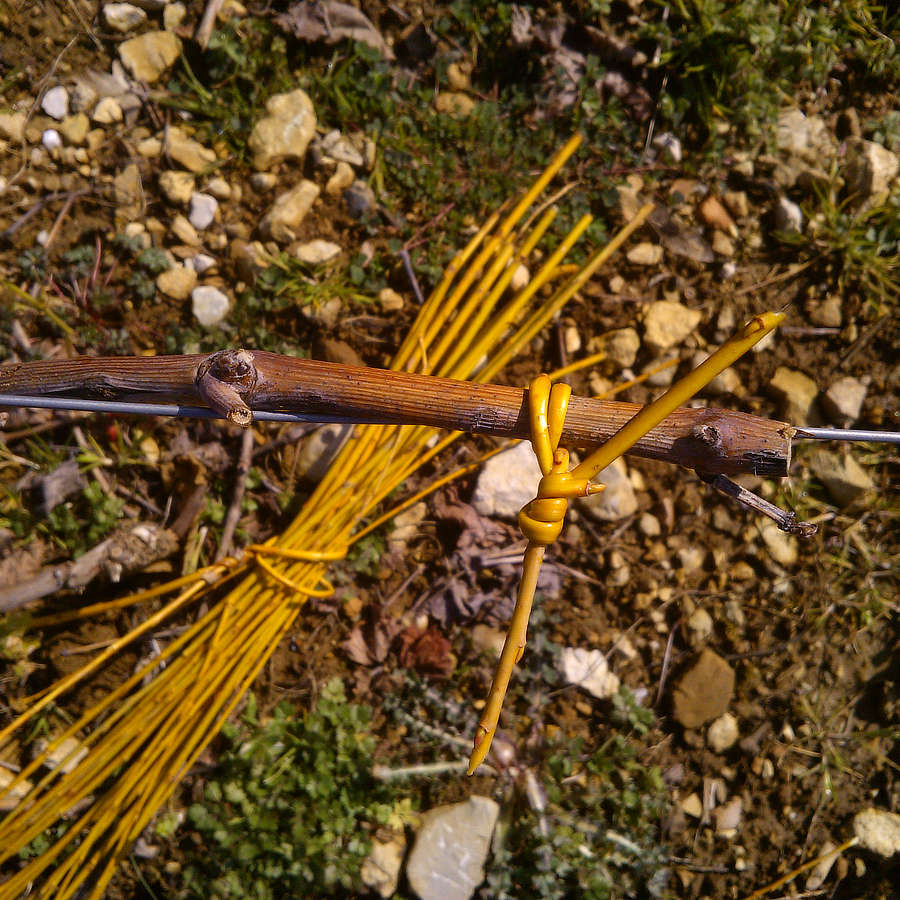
(234, 383)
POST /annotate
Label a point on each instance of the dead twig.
(240, 487)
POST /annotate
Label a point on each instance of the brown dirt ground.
(811, 669)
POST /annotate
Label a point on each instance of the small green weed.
(80, 524)
(291, 804)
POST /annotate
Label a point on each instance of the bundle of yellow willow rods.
(134, 746)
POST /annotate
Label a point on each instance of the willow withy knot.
(541, 522)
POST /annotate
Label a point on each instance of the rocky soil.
(768, 660)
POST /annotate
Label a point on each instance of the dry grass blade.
(143, 737)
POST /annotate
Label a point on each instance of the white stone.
(108, 111)
(55, 103)
(389, 300)
(209, 305)
(620, 346)
(342, 178)
(788, 216)
(186, 151)
(317, 252)
(12, 126)
(288, 211)
(797, 392)
(185, 232)
(670, 143)
(878, 830)
(507, 482)
(700, 626)
(780, 546)
(870, 169)
(844, 478)
(177, 282)
(381, 868)
(219, 188)
(520, 277)
(9, 800)
(723, 733)
(645, 254)
(318, 450)
(590, 670)
(667, 323)
(65, 756)
(201, 263)
(202, 210)
(451, 847)
(123, 17)
(285, 131)
(51, 139)
(843, 401)
(649, 525)
(148, 56)
(618, 501)
(174, 14)
(176, 186)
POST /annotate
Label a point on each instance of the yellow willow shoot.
(147, 732)
(542, 519)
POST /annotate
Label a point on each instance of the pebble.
(450, 850)
(737, 203)
(187, 152)
(381, 868)
(74, 128)
(219, 188)
(285, 131)
(317, 252)
(722, 244)
(55, 103)
(318, 450)
(185, 232)
(878, 831)
(507, 482)
(618, 501)
(288, 211)
(107, 111)
(781, 547)
(620, 346)
(714, 214)
(727, 817)
(589, 670)
(342, 178)
(645, 254)
(51, 139)
(488, 640)
(844, 478)
(150, 147)
(723, 733)
(261, 182)
(828, 313)
(389, 300)
(82, 97)
(9, 800)
(129, 192)
(65, 756)
(359, 199)
(123, 17)
(454, 103)
(797, 393)
(209, 305)
(177, 186)
(699, 626)
(703, 691)
(649, 525)
(202, 210)
(201, 263)
(174, 14)
(692, 806)
(12, 126)
(520, 278)
(670, 144)
(177, 282)
(667, 323)
(788, 216)
(843, 401)
(870, 169)
(407, 525)
(149, 55)
(336, 147)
